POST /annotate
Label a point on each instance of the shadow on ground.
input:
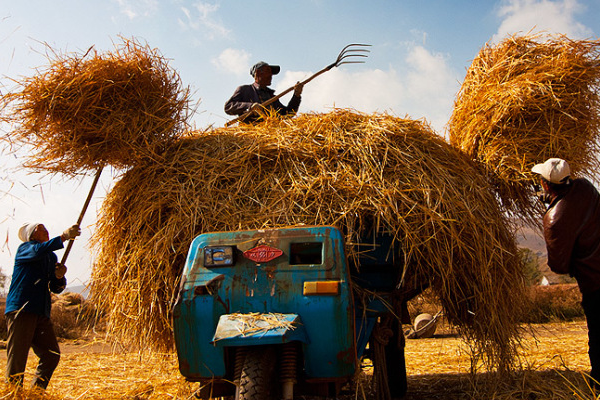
(528, 385)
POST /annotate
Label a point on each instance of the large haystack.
(86, 111)
(525, 100)
(355, 171)
(343, 169)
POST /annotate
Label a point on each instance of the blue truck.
(272, 313)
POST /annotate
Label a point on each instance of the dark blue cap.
(274, 68)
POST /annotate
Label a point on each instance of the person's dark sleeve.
(291, 108)
(239, 102)
(57, 285)
(560, 240)
(294, 104)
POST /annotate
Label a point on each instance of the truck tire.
(259, 380)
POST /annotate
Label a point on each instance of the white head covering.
(26, 230)
(554, 170)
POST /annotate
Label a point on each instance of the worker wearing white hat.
(554, 170)
(36, 273)
(572, 234)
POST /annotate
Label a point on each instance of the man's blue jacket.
(33, 278)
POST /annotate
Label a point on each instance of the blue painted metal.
(329, 347)
(197, 358)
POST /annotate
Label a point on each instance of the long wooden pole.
(82, 213)
(275, 98)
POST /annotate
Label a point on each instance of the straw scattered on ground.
(344, 169)
(524, 100)
(438, 368)
(84, 111)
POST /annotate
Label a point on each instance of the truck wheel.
(258, 380)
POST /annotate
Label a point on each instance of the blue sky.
(420, 52)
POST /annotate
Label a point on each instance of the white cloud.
(136, 8)
(524, 16)
(233, 60)
(431, 85)
(425, 88)
(200, 18)
(419, 36)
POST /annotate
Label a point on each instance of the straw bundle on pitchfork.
(524, 100)
(84, 112)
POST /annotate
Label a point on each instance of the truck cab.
(267, 303)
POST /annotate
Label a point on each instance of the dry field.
(438, 368)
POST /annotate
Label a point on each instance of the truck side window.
(306, 253)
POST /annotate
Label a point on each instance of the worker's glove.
(298, 89)
(60, 270)
(71, 233)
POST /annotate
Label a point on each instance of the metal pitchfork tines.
(352, 50)
(347, 56)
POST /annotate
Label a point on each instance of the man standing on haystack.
(250, 97)
(36, 273)
(572, 233)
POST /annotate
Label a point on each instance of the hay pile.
(86, 111)
(526, 100)
(522, 101)
(345, 169)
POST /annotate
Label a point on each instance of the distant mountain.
(533, 240)
(81, 289)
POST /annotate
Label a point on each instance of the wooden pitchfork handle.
(280, 95)
(348, 51)
(85, 206)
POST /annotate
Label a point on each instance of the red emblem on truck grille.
(262, 253)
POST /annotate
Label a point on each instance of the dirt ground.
(554, 358)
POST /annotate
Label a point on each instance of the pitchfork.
(352, 50)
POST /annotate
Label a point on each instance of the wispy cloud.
(233, 60)
(523, 16)
(201, 18)
(137, 8)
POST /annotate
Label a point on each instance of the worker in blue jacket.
(36, 273)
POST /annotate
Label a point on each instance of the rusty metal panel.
(191, 323)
